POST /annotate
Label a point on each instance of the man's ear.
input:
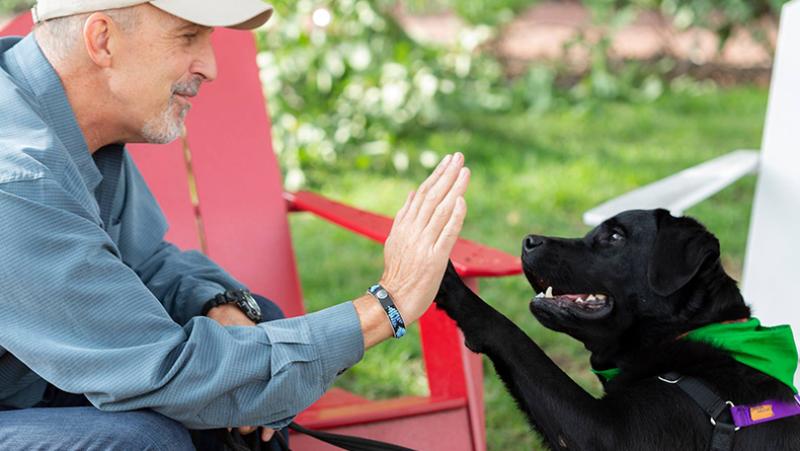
(97, 32)
(681, 248)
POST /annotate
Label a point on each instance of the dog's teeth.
(602, 297)
(549, 292)
(580, 300)
(591, 298)
(540, 295)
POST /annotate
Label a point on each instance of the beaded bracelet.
(380, 293)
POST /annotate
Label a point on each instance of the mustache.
(187, 88)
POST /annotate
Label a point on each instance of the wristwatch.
(242, 298)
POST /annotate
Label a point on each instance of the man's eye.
(190, 36)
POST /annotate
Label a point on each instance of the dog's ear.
(681, 247)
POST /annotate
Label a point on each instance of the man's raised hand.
(423, 235)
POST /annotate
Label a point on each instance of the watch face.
(252, 305)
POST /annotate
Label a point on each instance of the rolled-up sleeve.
(83, 320)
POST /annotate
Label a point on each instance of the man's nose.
(531, 242)
(205, 64)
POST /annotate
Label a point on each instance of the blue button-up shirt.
(94, 301)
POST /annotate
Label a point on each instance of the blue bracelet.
(380, 293)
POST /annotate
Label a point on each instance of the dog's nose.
(531, 242)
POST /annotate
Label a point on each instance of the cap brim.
(239, 14)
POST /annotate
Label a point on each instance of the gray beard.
(165, 127)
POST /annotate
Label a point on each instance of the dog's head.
(641, 276)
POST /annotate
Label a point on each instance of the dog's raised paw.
(449, 287)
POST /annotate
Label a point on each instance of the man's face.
(163, 61)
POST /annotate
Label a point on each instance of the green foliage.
(346, 93)
(14, 6)
(349, 94)
(488, 12)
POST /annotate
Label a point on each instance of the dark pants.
(67, 421)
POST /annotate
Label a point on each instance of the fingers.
(437, 172)
(449, 236)
(440, 168)
(404, 209)
(444, 211)
(433, 189)
(266, 433)
(440, 188)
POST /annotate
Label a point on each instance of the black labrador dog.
(628, 290)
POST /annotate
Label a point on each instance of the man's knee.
(269, 310)
(148, 430)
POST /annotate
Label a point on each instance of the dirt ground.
(541, 33)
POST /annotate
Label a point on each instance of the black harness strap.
(714, 406)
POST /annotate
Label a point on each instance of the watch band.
(383, 296)
(241, 298)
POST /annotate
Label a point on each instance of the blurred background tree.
(351, 88)
(14, 6)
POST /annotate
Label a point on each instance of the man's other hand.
(231, 315)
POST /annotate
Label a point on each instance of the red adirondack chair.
(221, 191)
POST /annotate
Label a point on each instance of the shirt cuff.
(337, 333)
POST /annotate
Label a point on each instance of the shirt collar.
(39, 77)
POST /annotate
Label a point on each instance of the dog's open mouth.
(591, 304)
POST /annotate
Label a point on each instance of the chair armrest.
(470, 259)
(682, 190)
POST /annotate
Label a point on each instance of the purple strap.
(766, 411)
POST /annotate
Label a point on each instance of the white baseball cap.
(240, 14)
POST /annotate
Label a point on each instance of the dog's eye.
(611, 236)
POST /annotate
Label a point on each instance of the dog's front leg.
(567, 415)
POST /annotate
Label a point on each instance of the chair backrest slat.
(164, 168)
(238, 178)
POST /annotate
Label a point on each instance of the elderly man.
(110, 337)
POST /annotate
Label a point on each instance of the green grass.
(533, 174)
